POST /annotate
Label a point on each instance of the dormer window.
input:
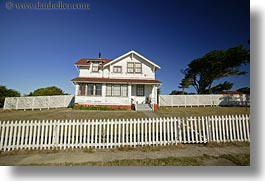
(95, 67)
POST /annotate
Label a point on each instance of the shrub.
(81, 107)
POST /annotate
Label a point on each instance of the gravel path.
(103, 155)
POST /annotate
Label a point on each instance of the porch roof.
(108, 80)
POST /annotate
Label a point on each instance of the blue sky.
(39, 47)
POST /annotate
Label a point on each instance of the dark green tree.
(47, 91)
(244, 90)
(176, 92)
(202, 72)
(184, 84)
(5, 92)
(220, 88)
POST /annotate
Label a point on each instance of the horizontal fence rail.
(111, 133)
(38, 102)
(204, 100)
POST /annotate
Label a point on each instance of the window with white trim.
(90, 89)
(138, 68)
(94, 90)
(134, 67)
(82, 89)
(117, 90)
(130, 67)
(139, 90)
(117, 69)
(95, 67)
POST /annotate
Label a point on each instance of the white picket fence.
(64, 134)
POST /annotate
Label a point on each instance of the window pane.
(116, 90)
(140, 90)
(98, 89)
(124, 90)
(90, 89)
(82, 89)
(138, 67)
(108, 90)
(95, 68)
(130, 67)
(117, 69)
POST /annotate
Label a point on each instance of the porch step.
(143, 107)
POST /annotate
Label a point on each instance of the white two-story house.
(127, 81)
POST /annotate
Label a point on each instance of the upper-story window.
(117, 69)
(138, 68)
(95, 67)
(134, 67)
(130, 67)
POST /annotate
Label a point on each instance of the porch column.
(129, 93)
(154, 94)
(76, 89)
(86, 90)
(103, 89)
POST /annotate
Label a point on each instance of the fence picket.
(179, 139)
(18, 136)
(168, 132)
(247, 125)
(30, 134)
(96, 133)
(138, 131)
(223, 128)
(244, 127)
(149, 132)
(230, 128)
(184, 130)
(203, 130)
(111, 133)
(192, 129)
(237, 128)
(119, 133)
(240, 128)
(156, 133)
(234, 128)
(172, 126)
(42, 134)
(164, 132)
(14, 136)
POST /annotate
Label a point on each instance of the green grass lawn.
(68, 113)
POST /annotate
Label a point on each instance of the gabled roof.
(132, 52)
(108, 80)
(87, 61)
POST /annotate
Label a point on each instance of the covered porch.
(115, 94)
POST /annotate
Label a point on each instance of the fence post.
(4, 106)
(17, 104)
